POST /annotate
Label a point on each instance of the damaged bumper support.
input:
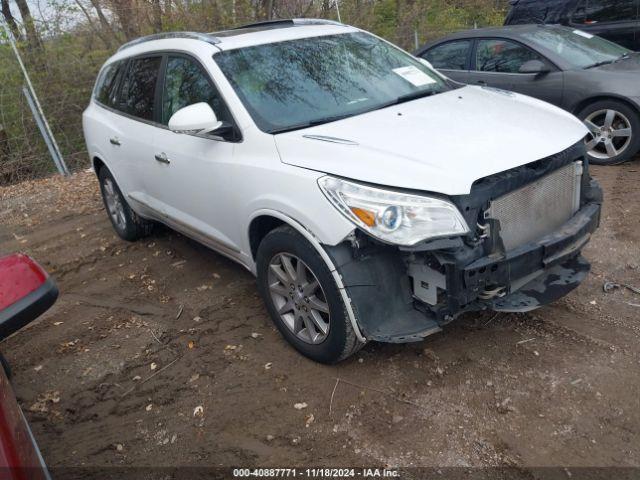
(391, 305)
(403, 295)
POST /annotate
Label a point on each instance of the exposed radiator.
(538, 208)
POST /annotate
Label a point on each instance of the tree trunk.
(4, 145)
(126, 14)
(33, 39)
(101, 33)
(104, 23)
(8, 17)
(157, 15)
(405, 23)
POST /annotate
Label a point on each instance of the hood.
(440, 144)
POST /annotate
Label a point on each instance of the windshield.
(302, 82)
(580, 49)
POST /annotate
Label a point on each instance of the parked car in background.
(615, 20)
(596, 80)
(26, 291)
(375, 199)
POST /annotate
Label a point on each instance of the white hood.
(439, 144)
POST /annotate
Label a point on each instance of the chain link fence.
(65, 49)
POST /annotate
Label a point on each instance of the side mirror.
(426, 63)
(26, 292)
(534, 67)
(196, 118)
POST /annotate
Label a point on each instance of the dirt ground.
(160, 353)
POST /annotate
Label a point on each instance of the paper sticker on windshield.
(583, 34)
(414, 76)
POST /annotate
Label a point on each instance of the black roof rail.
(161, 36)
(288, 22)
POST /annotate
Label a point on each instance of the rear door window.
(137, 94)
(502, 56)
(450, 55)
(590, 12)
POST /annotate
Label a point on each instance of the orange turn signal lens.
(367, 216)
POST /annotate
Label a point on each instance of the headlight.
(394, 217)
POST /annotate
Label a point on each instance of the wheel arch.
(584, 103)
(97, 163)
(259, 225)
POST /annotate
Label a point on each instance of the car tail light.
(26, 291)
(19, 276)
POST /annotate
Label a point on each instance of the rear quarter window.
(107, 82)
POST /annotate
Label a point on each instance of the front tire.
(127, 223)
(302, 297)
(614, 132)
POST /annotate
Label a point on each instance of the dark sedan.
(597, 80)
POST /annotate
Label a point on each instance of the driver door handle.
(162, 158)
(114, 141)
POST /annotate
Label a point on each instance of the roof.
(255, 33)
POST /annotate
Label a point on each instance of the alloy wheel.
(299, 298)
(609, 133)
(114, 204)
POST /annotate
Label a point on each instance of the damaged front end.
(531, 224)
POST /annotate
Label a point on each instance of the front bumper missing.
(383, 295)
(535, 262)
(553, 284)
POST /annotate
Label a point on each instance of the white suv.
(373, 198)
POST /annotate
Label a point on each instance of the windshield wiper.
(624, 56)
(407, 98)
(312, 123)
(413, 96)
(599, 64)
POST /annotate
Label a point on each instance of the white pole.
(338, 10)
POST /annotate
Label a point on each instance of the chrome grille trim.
(539, 207)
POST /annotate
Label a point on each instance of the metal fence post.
(36, 109)
(40, 121)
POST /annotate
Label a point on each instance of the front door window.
(502, 56)
(185, 84)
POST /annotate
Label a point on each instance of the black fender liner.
(381, 294)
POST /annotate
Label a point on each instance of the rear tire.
(614, 132)
(295, 309)
(127, 223)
